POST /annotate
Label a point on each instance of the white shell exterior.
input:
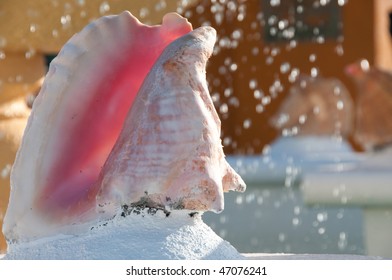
(169, 153)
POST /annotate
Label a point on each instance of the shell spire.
(169, 153)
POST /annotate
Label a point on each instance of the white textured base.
(143, 236)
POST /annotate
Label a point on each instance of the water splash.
(5, 172)
(104, 8)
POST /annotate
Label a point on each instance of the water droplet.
(312, 57)
(233, 67)
(215, 97)
(104, 8)
(269, 60)
(223, 233)
(237, 34)
(249, 198)
(253, 84)
(33, 28)
(55, 33)
(266, 100)
(324, 2)
(314, 72)
(322, 217)
(337, 90)
(222, 70)
(200, 9)
(2, 55)
(160, 5)
(297, 210)
(247, 123)
(234, 101)
(258, 94)
(227, 141)
(274, 3)
(295, 221)
(65, 21)
(285, 67)
(19, 78)
(340, 214)
(239, 199)
(342, 2)
(5, 172)
(241, 17)
(282, 24)
(300, 9)
(302, 119)
(223, 219)
(339, 50)
(30, 53)
(293, 44)
(282, 237)
(320, 39)
(144, 12)
(275, 51)
(224, 42)
(340, 105)
(321, 231)
(342, 244)
(293, 75)
(228, 92)
(259, 108)
(365, 66)
(223, 109)
(218, 18)
(81, 2)
(288, 181)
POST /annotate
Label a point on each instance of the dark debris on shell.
(146, 206)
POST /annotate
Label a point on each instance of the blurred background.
(316, 71)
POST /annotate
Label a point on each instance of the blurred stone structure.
(373, 114)
(316, 107)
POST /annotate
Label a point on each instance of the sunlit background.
(279, 71)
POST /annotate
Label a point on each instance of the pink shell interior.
(92, 118)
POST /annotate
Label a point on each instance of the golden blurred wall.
(238, 74)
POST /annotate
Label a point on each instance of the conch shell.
(373, 130)
(316, 107)
(109, 130)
